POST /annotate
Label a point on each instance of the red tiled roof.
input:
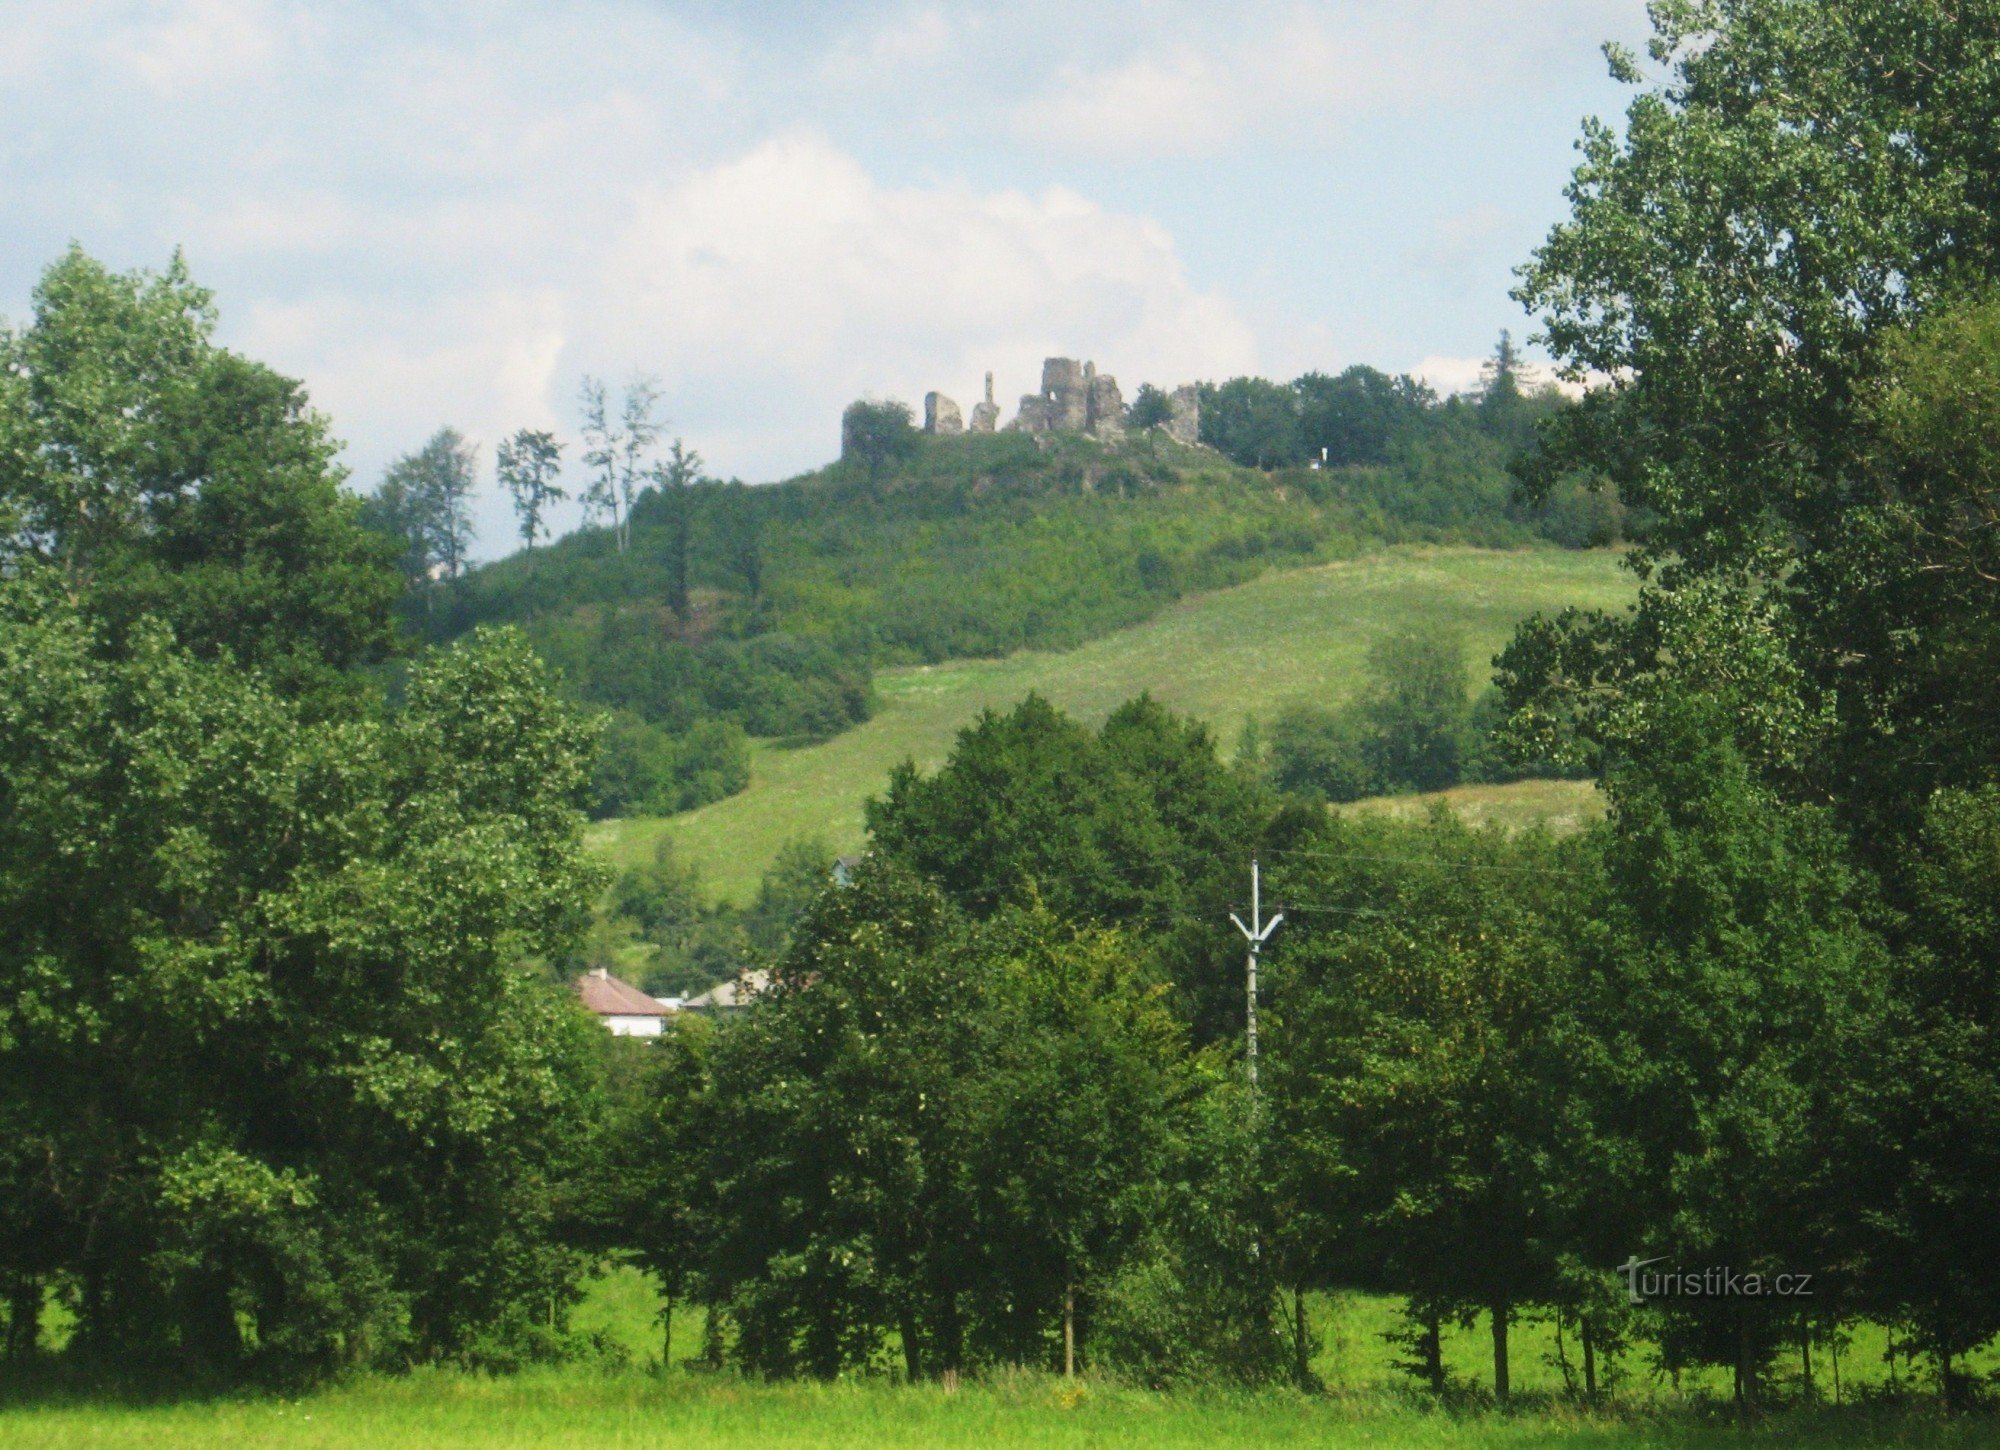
(605, 995)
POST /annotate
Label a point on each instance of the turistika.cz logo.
(1715, 1282)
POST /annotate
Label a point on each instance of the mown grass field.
(632, 1404)
(1561, 805)
(1296, 635)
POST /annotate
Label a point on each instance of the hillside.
(738, 613)
(1292, 635)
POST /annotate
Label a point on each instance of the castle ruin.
(1075, 398)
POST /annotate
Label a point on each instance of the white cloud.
(791, 274)
(197, 43)
(444, 213)
(1448, 375)
(1290, 73)
(1175, 103)
(765, 292)
(912, 40)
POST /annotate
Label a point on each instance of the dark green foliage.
(939, 1130)
(1411, 729)
(877, 435)
(1412, 1066)
(1151, 407)
(1253, 421)
(1137, 825)
(639, 769)
(1410, 465)
(277, 1094)
(1355, 418)
(1322, 754)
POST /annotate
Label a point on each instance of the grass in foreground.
(580, 1408)
(1367, 1404)
(1289, 637)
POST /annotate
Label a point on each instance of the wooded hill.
(723, 612)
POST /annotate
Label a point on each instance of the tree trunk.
(1805, 1358)
(1562, 1357)
(1434, 1351)
(913, 1360)
(1502, 1378)
(1746, 1366)
(1947, 1380)
(1589, 1357)
(24, 1317)
(1069, 1331)
(667, 1332)
(1833, 1348)
(1302, 1351)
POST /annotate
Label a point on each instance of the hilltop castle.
(1075, 398)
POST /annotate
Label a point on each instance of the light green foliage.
(166, 476)
(589, 1410)
(1295, 636)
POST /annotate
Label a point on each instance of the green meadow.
(625, 1401)
(1290, 636)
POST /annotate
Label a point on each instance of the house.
(731, 995)
(624, 1009)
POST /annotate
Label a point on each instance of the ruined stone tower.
(941, 415)
(986, 415)
(1074, 398)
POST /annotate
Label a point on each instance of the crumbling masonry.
(1075, 398)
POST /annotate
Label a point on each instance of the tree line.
(1745, 1025)
(292, 1082)
(703, 613)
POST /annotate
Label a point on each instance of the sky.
(450, 211)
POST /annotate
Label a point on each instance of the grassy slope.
(1561, 805)
(1289, 636)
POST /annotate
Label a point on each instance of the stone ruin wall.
(1075, 398)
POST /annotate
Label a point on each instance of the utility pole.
(1257, 933)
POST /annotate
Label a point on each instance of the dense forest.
(293, 1081)
(700, 613)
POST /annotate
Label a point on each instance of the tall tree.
(528, 465)
(165, 475)
(434, 486)
(877, 434)
(1410, 1085)
(277, 1094)
(677, 477)
(618, 449)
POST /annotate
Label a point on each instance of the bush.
(642, 770)
(1322, 754)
